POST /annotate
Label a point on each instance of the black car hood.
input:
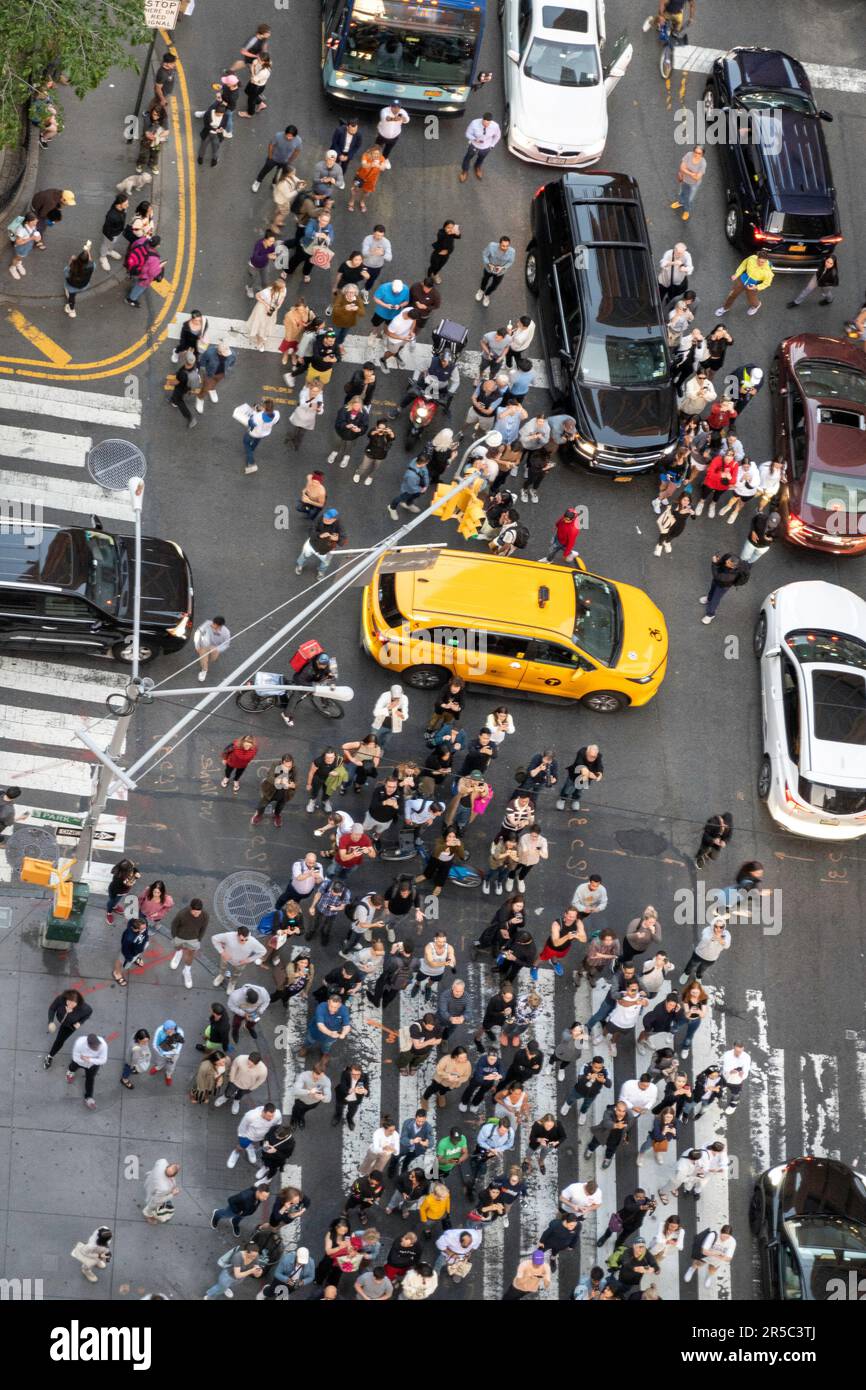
(636, 417)
(165, 584)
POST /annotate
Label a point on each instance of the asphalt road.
(694, 749)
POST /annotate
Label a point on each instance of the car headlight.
(520, 137)
(585, 447)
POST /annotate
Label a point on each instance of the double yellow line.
(177, 289)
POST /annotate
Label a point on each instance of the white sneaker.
(212, 396)
(707, 618)
(251, 1154)
(187, 976)
(15, 272)
(639, 1160)
(666, 547)
(479, 295)
(255, 185)
(233, 1158)
(732, 518)
(21, 270)
(657, 552)
(656, 505)
(251, 468)
(199, 405)
(218, 979)
(719, 314)
(612, 1049)
(103, 262)
(509, 884)
(176, 959)
(485, 300)
(332, 455)
(236, 1106)
(533, 495)
(462, 1108)
(711, 510)
(708, 1282)
(368, 482)
(648, 23)
(581, 1119)
(560, 805)
(202, 675)
(344, 461)
(703, 599)
(115, 255)
(660, 1158)
(689, 1274)
(70, 311)
(564, 1108)
(524, 495)
(220, 1100)
(311, 806)
(754, 309)
(387, 164)
(260, 1173)
(356, 477)
(485, 887)
(699, 508)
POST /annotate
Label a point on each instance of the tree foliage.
(78, 39)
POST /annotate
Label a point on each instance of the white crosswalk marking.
(766, 1091)
(28, 398)
(355, 345)
(98, 875)
(52, 729)
(44, 774)
(713, 1207)
(825, 77)
(540, 1205)
(413, 1086)
(59, 495)
(819, 1104)
(74, 683)
(44, 446)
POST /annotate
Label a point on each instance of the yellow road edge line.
(150, 341)
(47, 346)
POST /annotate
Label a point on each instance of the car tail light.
(790, 801)
(539, 190)
(796, 527)
(831, 240)
(765, 236)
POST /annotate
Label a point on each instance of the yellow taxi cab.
(504, 621)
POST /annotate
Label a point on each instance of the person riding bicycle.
(319, 669)
(671, 12)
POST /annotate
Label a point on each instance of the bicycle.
(463, 875)
(256, 697)
(670, 38)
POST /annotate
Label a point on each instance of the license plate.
(824, 821)
(439, 94)
(799, 247)
(623, 477)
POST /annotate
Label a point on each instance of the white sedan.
(810, 639)
(556, 87)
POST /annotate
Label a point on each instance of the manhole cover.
(241, 900)
(645, 842)
(30, 842)
(114, 462)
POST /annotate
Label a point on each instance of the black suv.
(72, 590)
(590, 264)
(778, 185)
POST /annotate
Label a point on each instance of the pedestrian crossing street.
(772, 1124)
(45, 703)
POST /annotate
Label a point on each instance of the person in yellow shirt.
(750, 277)
(436, 1206)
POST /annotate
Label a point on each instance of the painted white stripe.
(819, 1104)
(355, 345)
(288, 1039)
(97, 875)
(28, 398)
(59, 495)
(653, 1174)
(766, 1085)
(411, 1087)
(366, 1050)
(52, 729)
(48, 678)
(492, 1249)
(46, 446)
(713, 1205)
(43, 774)
(586, 1001)
(828, 77)
(540, 1205)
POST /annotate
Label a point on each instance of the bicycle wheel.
(666, 61)
(331, 709)
(252, 702)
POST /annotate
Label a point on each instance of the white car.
(556, 87)
(810, 639)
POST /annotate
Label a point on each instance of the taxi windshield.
(598, 618)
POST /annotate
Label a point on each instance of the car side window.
(555, 654)
(791, 706)
(68, 606)
(497, 644)
(754, 170)
(791, 1275)
(525, 22)
(23, 602)
(797, 430)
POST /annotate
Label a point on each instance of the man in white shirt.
(691, 1173)
(88, 1055)
(237, 949)
(483, 135)
(307, 876)
(211, 638)
(590, 897)
(455, 1245)
(252, 1129)
(736, 1065)
(384, 1147)
(391, 122)
(640, 1095)
(399, 333)
(580, 1198)
(160, 1184)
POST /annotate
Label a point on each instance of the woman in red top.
(720, 476)
(236, 758)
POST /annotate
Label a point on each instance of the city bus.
(423, 54)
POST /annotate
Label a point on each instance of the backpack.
(615, 1259)
(229, 748)
(136, 256)
(521, 537)
(742, 578)
(15, 226)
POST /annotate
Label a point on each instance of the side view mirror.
(825, 115)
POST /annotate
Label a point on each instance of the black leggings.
(177, 398)
(231, 772)
(64, 1031)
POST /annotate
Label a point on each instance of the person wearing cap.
(532, 1276)
(213, 364)
(327, 535)
(636, 1262)
(260, 422)
(324, 356)
(483, 135)
(392, 119)
(294, 1270)
(47, 205)
(167, 1046)
(328, 171)
(750, 380)
(283, 151)
(564, 540)
(388, 301)
(390, 713)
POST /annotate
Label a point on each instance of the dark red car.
(819, 409)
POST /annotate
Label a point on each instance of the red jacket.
(567, 532)
(714, 477)
(240, 757)
(720, 414)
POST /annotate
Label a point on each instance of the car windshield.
(831, 381)
(828, 647)
(834, 801)
(102, 578)
(827, 1247)
(598, 618)
(562, 64)
(415, 43)
(840, 706)
(834, 492)
(757, 98)
(619, 361)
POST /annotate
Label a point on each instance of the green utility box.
(61, 932)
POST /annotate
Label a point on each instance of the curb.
(19, 198)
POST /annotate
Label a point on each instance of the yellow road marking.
(41, 341)
(148, 343)
(164, 288)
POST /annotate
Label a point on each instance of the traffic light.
(466, 506)
(472, 519)
(454, 505)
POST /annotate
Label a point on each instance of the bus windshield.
(394, 41)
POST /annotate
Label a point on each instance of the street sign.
(110, 831)
(161, 14)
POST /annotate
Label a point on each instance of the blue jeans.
(683, 1038)
(227, 1214)
(136, 291)
(497, 875)
(557, 548)
(604, 1010)
(573, 1097)
(250, 446)
(308, 553)
(471, 153)
(715, 596)
(410, 498)
(685, 193)
(224, 1282)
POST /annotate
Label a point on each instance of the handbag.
(458, 1269)
(242, 414)
(615, 1222)
(321, 256)
(660, 1146)
(225, 1261)
(480, 803)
